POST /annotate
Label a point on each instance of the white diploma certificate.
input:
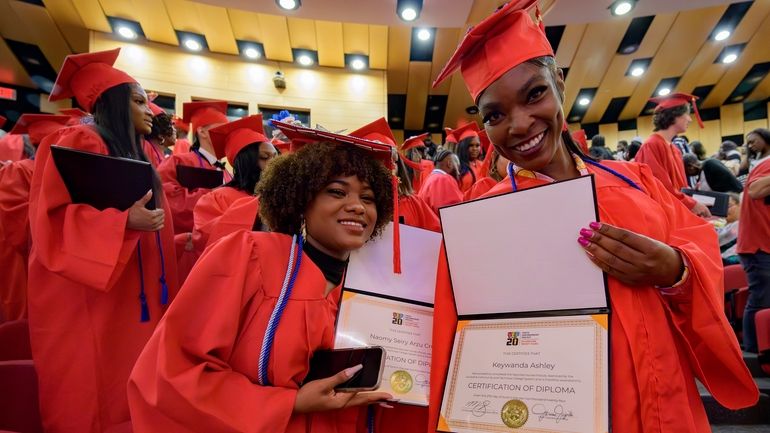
(530, 352)
(380, 308)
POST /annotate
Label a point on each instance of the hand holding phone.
(319, 395)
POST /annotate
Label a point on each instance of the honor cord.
(587, 161)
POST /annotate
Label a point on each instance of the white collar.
(211, 159)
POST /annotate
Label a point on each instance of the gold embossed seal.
(401, 382)
(514, 413)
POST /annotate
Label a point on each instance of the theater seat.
(735, 277)
(735, 280)
(762, 322)
(14, 340)
(19, 410)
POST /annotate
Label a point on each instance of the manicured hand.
(319, 395)
(701, 210)
(630, 257)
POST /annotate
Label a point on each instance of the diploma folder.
(717, 202)
(103, 181)
(531, 347)
(198, 177)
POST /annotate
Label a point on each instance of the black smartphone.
(327, 363)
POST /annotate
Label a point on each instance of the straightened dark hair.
(246, 171)
(405, 174)
(464, 154)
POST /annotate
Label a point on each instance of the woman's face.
(522, 114)
(266, 154)
(474, 148)
(141, 116)
(342, 216)
(733, 210)
(755, 143)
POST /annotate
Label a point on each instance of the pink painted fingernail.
(588, 234)
(583, 242)
(349, 372)
(595, 225)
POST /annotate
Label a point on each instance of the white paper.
(371, 267)
(519, 252)
(706, 200)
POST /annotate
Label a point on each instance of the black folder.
(196, 177)
(103, 181)
(721, 201)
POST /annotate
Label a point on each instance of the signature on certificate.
(477, 408)
(557, 414)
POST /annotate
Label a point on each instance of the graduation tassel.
(145, 317)
(370, 419)
(396, 229)
(162, 279)
(697, 113)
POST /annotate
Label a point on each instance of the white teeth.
(531, 143)
(352, 223)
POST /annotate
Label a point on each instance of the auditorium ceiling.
(672, 41)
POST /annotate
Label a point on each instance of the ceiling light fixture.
(424, 35)
(664, 91)
(729, 58)
(358, 64)
(127, 32)
(408, 10)
(305, 60)
(584, 101)
(637, 71)
(722, 35)
(622, 7)
(251, 53)
(289, 5)
(193, 45)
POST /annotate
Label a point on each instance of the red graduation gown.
(15, 179)
(426, 166)
(182, 145)
(659, 342)
(153, 153)
(417, 213)
(666, 163)
(198, 373)
(84, 311)
(11, 147)
(180, 199)
(468, 180)
(479, 188)
(440, 189)
(241, 215)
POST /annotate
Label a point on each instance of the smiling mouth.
(353, 224)
(530, 144)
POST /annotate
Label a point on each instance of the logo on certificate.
(398, 319)
(513, 338)
(514, 413)
(407, 320)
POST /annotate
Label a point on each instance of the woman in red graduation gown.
(469, 154)
(441, 187)
(98, 281)
(162, 136)
(182, 144)
(15, 179)
(662, 262)
(412, 152)
(233, 350)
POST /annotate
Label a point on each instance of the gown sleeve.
(15, 180)
(698, 312)
(654, 154)
(77, 241)
(183, 380)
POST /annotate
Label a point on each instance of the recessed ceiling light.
(288, 5)
(622, 7)
(637, 71)
(127, 32)
(408, 14)
(358, 64)
(423, 34)
(433, 125)
(193, 45)
(395, 119)
(722, 35)
(664, 91)
(434, 108)
(729, 58)
(251, 53)
(472, 109)
(305, 60)
(584, 101)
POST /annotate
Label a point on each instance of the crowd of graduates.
(202, 312)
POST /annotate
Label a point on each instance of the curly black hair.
(292, 181)
(162, 126)
(662, 119)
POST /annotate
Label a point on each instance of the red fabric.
(15, 181)
(412, 142)
(754, 229)
(11, 147)
(241, 215)
(19, 410)
(762, 320)
(37, 126)
(421, 175)
(440, 189)
(417, 213)
(86, 76)
(156, 109)
(182, 145)
(198, 372)
(153, 153)
(470, 129)
(659, 343)
(84, 311)
(580, 137)
(379, 130)
(209, 209)
(467, 181)
(486, 52)
(180, 199)
(200, 114)
(667, 165)
(231, 138)
(14, 340)
(479, 188)
(676, 100)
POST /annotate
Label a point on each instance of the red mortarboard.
(501, 42)
(155, 108)
(486, 143)
(411, 143)
(450, 137)
(76, 115)
(283, 146)
(180, 124)
(487, 146)
(204, 113)
(86, 76)
(2, 121)
(301, 136)
(231, 138)
(677, 100)
(379, 130)
(468, 130)
(38, 126)
(582, 140)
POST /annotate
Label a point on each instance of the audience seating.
(762, 320)
(736, 294)
(14, 340)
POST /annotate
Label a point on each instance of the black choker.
(332, 268)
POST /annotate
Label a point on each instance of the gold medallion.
(514, 413)
(401, 382)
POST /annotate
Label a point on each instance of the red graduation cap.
(301, 136)
(379, 130)
(75, 114)
(487, 146)
(486, 143)
(87, 76)
(499, 43)
(231, 138)
(470, 129)
(155, 108)
(677, 100)
(180, 124)
(283, 146)
(38, 126)
(450, 137)
(204, 113)
(411, 143)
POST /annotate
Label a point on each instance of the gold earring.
(303, 228)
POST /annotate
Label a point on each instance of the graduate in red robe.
(664, 271)
(492, 172)
(470, 155)
(162, 136)
(182, 144)
(202, 115)
(15, 180)
(98, 280)
(11, 146)
(412, 153)
(671, 117)
(221, 359)
(243, 214)
(441, 187)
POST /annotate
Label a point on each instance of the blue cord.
(587, 161)
(370, 419)
(162, 279)
(145, 317)
(288, 284)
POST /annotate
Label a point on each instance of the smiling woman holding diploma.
(233, 351)
(665, 275)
